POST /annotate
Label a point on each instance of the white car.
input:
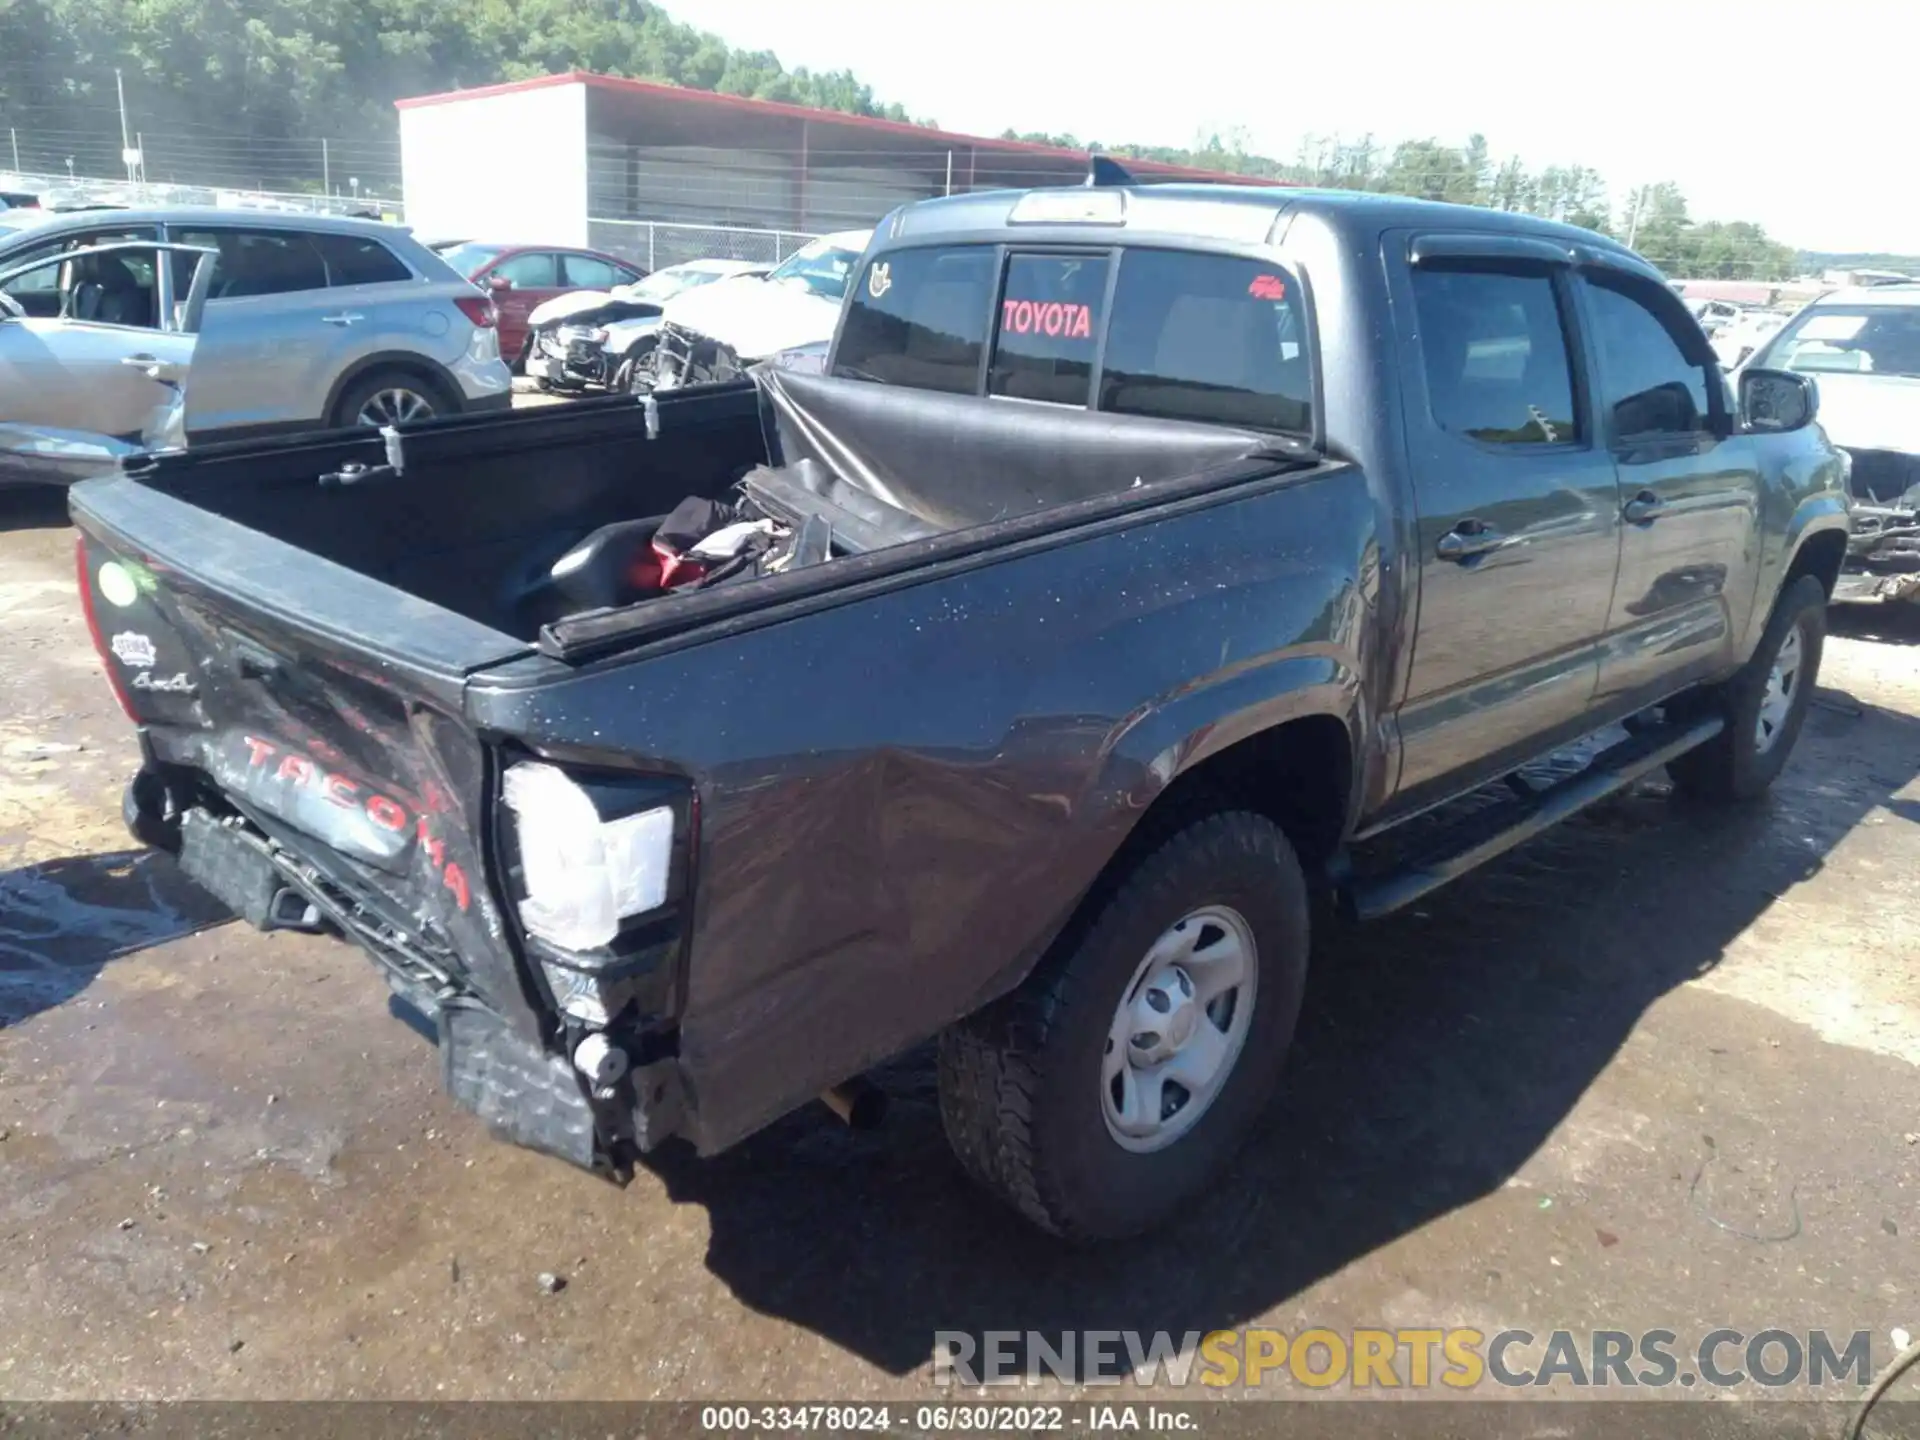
(794, 304)
(585, 337)
(1735, 342)
(1862, 348)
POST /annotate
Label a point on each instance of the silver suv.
(321, 323)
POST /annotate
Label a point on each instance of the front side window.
(1495, 352)
(120, 288)
(1648, 384)
(1851, 340)
(920, 318)
(1048, 327)
(1207, 337)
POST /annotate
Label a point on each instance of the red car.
(519, 277)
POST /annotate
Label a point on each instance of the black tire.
(1020, 1082)
(355, 397)
(1738, 763)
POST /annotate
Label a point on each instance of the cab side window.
(919, 318)
(1049, 326)
(1494, 346)
(1648, 386)
(1213, 338)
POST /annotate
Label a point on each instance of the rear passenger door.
(1689, 491)
(381, 307)
(283, 337)
(1518, 515)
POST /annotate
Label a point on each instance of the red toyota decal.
(1268, 287)
(1047, 317)
(382, 810)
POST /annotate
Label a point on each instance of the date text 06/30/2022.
(959, 1418)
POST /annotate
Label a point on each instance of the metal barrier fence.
(657, 244)
(69, 190)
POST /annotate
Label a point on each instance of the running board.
(1489, 833)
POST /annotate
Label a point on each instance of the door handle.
(1643, 508)
(1469, 539)
(143, 361)
(345, 317)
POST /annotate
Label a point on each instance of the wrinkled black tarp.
(956, 461)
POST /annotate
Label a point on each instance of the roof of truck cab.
(1243, 213)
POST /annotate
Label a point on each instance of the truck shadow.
(62, 921)
(1438, 1051)
(33, 507)
(1892, 624)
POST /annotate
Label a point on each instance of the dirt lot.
(1570, 1093)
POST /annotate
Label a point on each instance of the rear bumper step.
(524, 1092)
(1490, 833)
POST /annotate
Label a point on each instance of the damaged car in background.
(588, 339)
(1863, 348)
(1142, 559)
(716, 332)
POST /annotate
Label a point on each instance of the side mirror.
(497, 283)
(1773, 401)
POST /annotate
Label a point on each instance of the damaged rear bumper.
(526, 1088)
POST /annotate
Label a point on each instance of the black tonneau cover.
(955, 461)
(968, 476)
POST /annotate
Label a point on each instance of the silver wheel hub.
(1179, 1028)
(394, 406)
(1783, 688)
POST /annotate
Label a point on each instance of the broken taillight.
(479, 309)
(84, 574)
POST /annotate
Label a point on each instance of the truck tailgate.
(323, 709)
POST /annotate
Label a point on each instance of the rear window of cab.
(1175, 334)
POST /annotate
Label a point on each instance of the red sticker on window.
(1268, 287)
(1047, 317)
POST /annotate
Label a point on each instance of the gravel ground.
(1568, 1093)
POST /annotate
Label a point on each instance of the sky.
(1758, 111)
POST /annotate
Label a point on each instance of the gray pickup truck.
(1142, 559)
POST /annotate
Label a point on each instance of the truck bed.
(479, 508)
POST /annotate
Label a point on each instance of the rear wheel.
(390, 397)
(1122, 1075)
(1764, 705)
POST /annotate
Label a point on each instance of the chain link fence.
(658, 244)
(74, 192)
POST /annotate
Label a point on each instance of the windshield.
(1863, 340)
(820, 269)
(663, 285)
(467, 257)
